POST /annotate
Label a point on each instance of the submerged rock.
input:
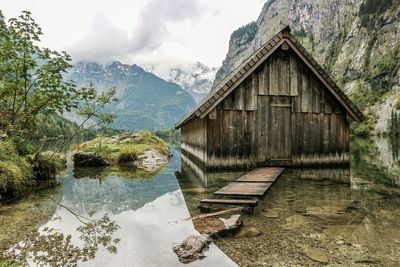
(218, 226)
(192, 248)
(209, 226)
(329, 213)
(295, 221)
(89, 159)
(315, 254)
(232, 223)
(247, 232)
(272, 214)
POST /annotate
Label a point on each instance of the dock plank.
(263, 175)
(234, 201)
(248, 189)
(244, 189)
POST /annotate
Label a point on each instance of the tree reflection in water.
(49, 247)
(394, 143)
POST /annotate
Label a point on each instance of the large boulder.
(192, 248)
(89, 159)
(152, 159)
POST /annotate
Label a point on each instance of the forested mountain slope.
(145, 100)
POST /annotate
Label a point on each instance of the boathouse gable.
(278, 108)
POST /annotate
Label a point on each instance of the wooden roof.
(226, 86)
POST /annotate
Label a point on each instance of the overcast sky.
(145, 32)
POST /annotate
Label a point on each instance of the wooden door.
(274, 134)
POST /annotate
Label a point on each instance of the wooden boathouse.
(278, 108)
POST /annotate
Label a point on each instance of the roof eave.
(236, 76)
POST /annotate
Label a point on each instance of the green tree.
(32, 83)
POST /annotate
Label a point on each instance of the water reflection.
(337, 216)
(346, 217)
(142, 219)
(376, 160)
(48, 246)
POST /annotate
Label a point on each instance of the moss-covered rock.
(89, 159)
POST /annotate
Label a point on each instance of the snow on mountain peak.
(195, 78)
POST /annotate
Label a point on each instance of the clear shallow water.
(345, 217)
(150, 216)
(342, 217)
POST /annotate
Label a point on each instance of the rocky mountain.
(145, 100)
(356, 41)
(195, 78)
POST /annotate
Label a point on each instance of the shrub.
(15, 172)
(361, 129)
(58, 159)
(154, 141)
(23, 146)
(47, 165)
(125, 157)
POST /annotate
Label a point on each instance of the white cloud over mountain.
(147, 32)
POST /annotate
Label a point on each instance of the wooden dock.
(247, 190)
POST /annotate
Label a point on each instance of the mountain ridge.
(195, 78)
(145, 100)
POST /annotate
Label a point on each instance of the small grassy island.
(143, 150)
(139, 154)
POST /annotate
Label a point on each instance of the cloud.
(145, 32)
(155, 17)
(106, 42)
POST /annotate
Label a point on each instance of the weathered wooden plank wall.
(281, 114)
(194, 140)
(319, 139)
(231, 139)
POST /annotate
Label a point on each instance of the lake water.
(344, 217)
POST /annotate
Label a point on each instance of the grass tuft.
(15, 172)
(126, 157)
(46, 165)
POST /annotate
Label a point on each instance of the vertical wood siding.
(194, 140)
(280, 114)
(231, 139)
